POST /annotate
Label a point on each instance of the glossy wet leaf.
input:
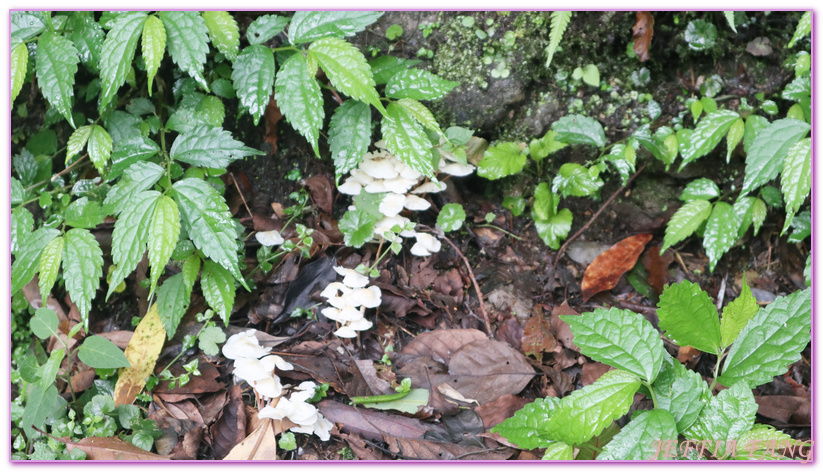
(727, 415)
(56, 66)
(163, 234)
(451, 217)
(298, 96)
(555, 229)
(349, 135)
(84, 213)
(734, 136)
(224, 33)
(737, 314)
(689, 317)
(525, 428)
(118, 53)
(681, 392)
(641, 438)
(576, 181)
(700, 35)
(685, 221)
(418, 84)
(708, 134)
(253, 78)
(579, 129)
(173, 298)
(82, 268)
(768, 151)
(607, 268)
(700, 189)
(205, 146)
(265, 27)
(137, 178)
(720, 233)
(312, 25)
(346, 68)
(357, 227)
(218, 288)
(187, 40)
(19, 62)
(153, 47)
(130, 236)
(407, 140)
(796, 178)
(99, 147)
(27, 258)
(385, 67)
(501, 160)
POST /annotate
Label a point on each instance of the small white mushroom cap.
(399, 184)
(426, 245)
(409, 173)
(270, 387)
(269, 238)
(430, 187)
(350, 187)
(376, 186)
(392, 204)
(361, 177)
(415, 203)
(369, 297)
(458, 170)
(379, 168)
(345, 315)
(385, 224)
(351, 278)
(244, 344)
(251, 369)
(271, 361)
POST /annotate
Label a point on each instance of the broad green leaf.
(122, 126)
(27, 167)
(619, 338)
(681, 391)
(100, 353)
(758, 214)
(801, 227)
(187, 39)
(579, 129)
(84, 213)
(418, 84)
(807, 272)
(130, 236)
(218, 288)
(689, 317)
(526, 427)
(623, 158)
(40, 404)
(349, 135)
(172, 303)
(27, 257)
(796, 112)
(708, 134)
(19, 63)
(451, 217)
(99, 147)
(384, 67)
(82, 269)
(77, 141)
(796, 178)
(118, 53)
(191, 268)
(728, 415)
(298, 96)
(768, 150)
(253, 78)
(759, 443)
(265, 27)
(720, 233)
(153, 47)
(555, 229)
(357, 227)
(754, 123)
(517, 204)
(209, 147)
(803, 29)
(224, 32)
(559, 23)
(685, 221)
(209, 339)
(700, 189)
(576, 181)
(27, 24)
(49, 266)
(346, 69)
(734, 136)
(311, 25)
(663, 145)
(798, 89)
(162, 237)
(407, 140)
(737, 313)
(88, 37)
(210, 111)
(558, 451)
(770, 341)
(545, 202)
(743, 209)
(56, 66)
(641, 438)
(49, 370)
(44, 323)
(138, 178)
(539, 149)
(18, 193)
(223, 88)
(501, 160)
(22, 223)
(419, 112)
(208, 223)
(709, 105)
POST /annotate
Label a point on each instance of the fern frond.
(730, 19)
(559, 22)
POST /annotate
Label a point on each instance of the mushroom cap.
(376, 186)
(350, 187)
(251, 369)
(351, 278)
(271, 361)
(361, 177)
(392, 204)
(270, 387)
(379, 168)
(399, 184)
(244, 344)
(425, 245)
(430, 187)
(458, 170)
(415, 203)
(269, 238)
(369, 297)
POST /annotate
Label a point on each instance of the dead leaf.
(538, 338)
(561, 328)
(454, 396)
(488, 237)
(361, 450)
(230, 428)
(643, 31)
(272, 116)
(441, 344)
(260, 445)
(119, 338)
(186, 450)
(365, 381)
(371, 424)
(760, 46)
(487, 369)
(511, 331)
(206, 382)
(112, 449)
(606, 269)
(592, 371)
(497, 411)
(686, 354)
(82, 380)
(657, 267)
(142, 353)
(320, 189)
(421, 449)
(779, 407)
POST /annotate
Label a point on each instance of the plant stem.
(489, 225)
(720, 356)
(651, 392)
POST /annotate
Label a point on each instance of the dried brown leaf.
(657, 267)
(112, 449)
(365, 381)
(561, 328)
(142, 352)
(592, 371)
(779, 407)
(272, 116)
(538, 338)
(606, 269)
(487, 369)
(497, 411)
(511, 331)
(421, 449)
(230, 428)
(441, 344)
(260, 445)
(643, 31)
(320, 189)
(371, 424)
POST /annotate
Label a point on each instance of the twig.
(562, 249)
(241, 194)
(476, 287)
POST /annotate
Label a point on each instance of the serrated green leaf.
(407, 140)
(209, 338)
(172, 303)
(501, 160)
(685, 221)
(253, 78)
(187, 40)
(721, 232)
(558, 451)
(619, 338)
(27, 257)
(349, 135)
(265, 27)
(56, 66)
(539, 149)
(419, 112)
(796, 178)
(298, 96)
(708, 134)
(130, 236)
(18, 193)
(138, 178)
(754, 123)
(210, 111)
(743, 214)
(153, 47)
(641, 438)
(118, 53)
(555, 229)
(526, 427)
(218, 288)
(77, 141)
(801, 227)
(807, 272)
(737, 313)
(27, 24)
(311, 25)
(88, 37)
(734, 136)
(84, 213)
(346, 68)
(82, 268)
(728, 415)
(162, 238)
(122, 126)
(700, 189)
(19, 63)
(759, 443)
(22, 223)
(664, 148)
(730, 20)
(758, 214)
(680, 391)
(559, 23)
(100, 353)
(384, 67)
(803, 29)
(191, 267)
(770, 341)
(769, 149)
(357, 227)
(418, 84)
(689, 317)
(451, 217)
(709, 105)
(44, 323)
(576, 181)
(205, 146)
(99, 147)
(579, 129)
(224, 32)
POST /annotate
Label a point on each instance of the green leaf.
(172, 303)
(501, 160)
(188, 41)
(728, 415)
(118, 53)
(681, 391)
(393, 32)
(591, 75)
(539, 149)
(27, 258)
(162, 237)
(48, 371)
(56, 65)
(575, 180)
(579, 129)
(708, 134)
(451, 217)
(734, 136)
(730, 20)
(803, 29)
(40, 404)
(311, 25)
(384, 67)
(49, 266)
(88, 37)
(768, 150)
(27, 24)
(558, 451)
(298, 96)
(100, 353)
(407, 140)
(349, 135)
(253, 78)
(685, 221)
(419, 85)
(265, 27)
(663, 146)
(517, 204)
(758, 443)
(77, 141)
(224, 32)
(770, 341)
(346, 69)
(801, 227)
(796, 178)
(205, 146)
(130, 236)
(153, 47)
(44, 323)
(559, 23)
(641, 438)
(709, 105)
(720, 233)
(138, 178)
(754, 123)
(798, 89)
(419, 112)
(82, 268)
(209, 339)
(545, 202)
(357, 227)
(526, 427)
(410, 403)
(555, 229)
(758, 214)
(619, 338)
(807, 272)
(218, 288)
(99, 147)
(696, 108)
(700, 189)
(208, 223)
(210, 111)
(84, 213)
(19, 63)
(689, 317)
(737, 314)
(22, 223)
(191, 267)
(18, 193)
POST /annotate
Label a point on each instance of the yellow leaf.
(142, 353)
(260, 445)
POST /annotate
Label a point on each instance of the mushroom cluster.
(349, 300)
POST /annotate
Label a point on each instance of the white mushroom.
(458, 170)
(430, 187)
(399, 184)
(361, 177)
(392, 204)
(244, 344)
(376, 186)
(350, 187)
(269, 238)
(415, 203)
(369, 297)
(351, 278)
(269, 387)
(379, 168)
(426, 245)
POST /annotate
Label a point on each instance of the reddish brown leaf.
(643, 31)
(686, 354)
(272, 116)
(592, 371)
(487, 369)
(230, 428)
(112, 449)
(538, 338)
(494, 413)
(561, 328)
(657, 267)
(606, 269)
(186, 450)
(120, 338)
(372, 424)
(511, 331)
(82, 380)
(421, 449)
(320, 189)
(361, 450)
(779, 407)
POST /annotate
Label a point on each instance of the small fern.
(730, 19)
(560, 20)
